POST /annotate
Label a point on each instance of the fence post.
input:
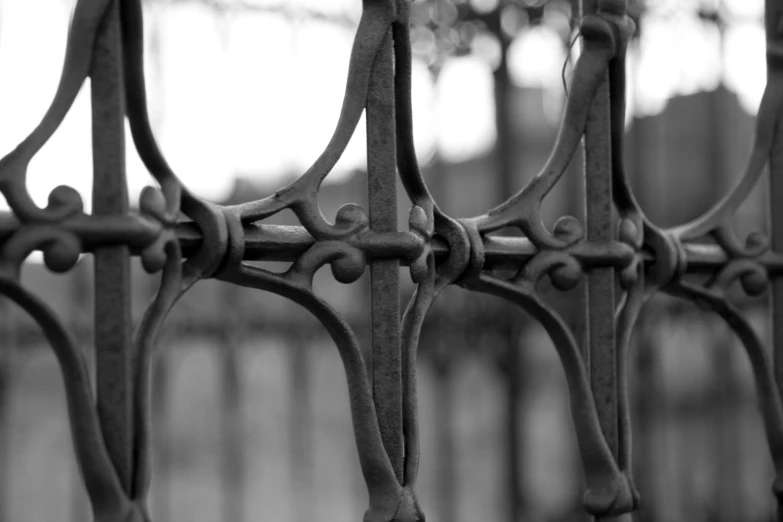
(384, 273)
(601, 349)
(113, 346)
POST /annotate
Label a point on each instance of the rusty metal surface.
(115, 354)
(112, 438)
(386, 361)
(601, 347)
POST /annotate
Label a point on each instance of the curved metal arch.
(348, 262)
(376, 467)
(407, 164)
(767, 391)
(296, 284)
(85, 22)
(62, 249)
(609, 491)
(100, 478)
(301, 195)
(176, 196)
(172, 288)
(165, 205)
(430, 280)
(523, 210)
(626, 319)
(610, 487)
(670, 260)
(769, 114)
(638, 231)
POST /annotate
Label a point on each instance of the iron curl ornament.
(105, 43)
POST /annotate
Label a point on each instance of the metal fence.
(614, 249)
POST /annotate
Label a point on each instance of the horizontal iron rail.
(285, 243)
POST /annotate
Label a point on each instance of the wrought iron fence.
(629, 256)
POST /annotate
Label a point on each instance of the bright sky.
(257, 95)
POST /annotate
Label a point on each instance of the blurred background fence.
(251, 417)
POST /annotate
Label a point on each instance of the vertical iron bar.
(601, 281)
(774, 14)
(578, 318)
(384, 273)
(774, 31)
(114, 353)
(6, 372)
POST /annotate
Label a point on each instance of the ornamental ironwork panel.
(615, 248)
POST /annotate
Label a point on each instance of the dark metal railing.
(111, 430)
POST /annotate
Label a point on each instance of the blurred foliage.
(443, 28)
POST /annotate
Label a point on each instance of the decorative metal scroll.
(111, 431)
